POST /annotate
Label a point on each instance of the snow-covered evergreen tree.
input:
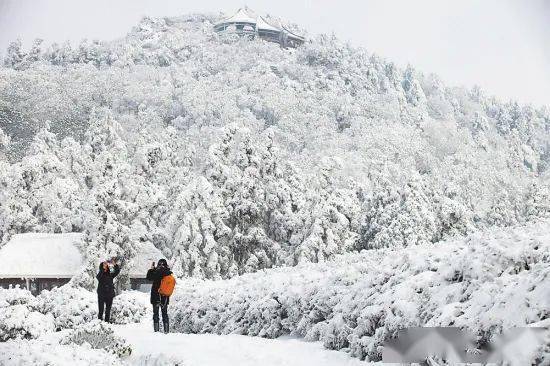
(223, 165)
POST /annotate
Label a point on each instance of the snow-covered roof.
(264, 25)
(243, 15)
(142, 262)
(260, 23)
(292, 34)
(41, 255)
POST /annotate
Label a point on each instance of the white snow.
(79, 346)
(487, 282)
(227, 350)
(39, 255)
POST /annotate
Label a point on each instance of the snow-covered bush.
(98, 335)
(65, 307)
(21, 321)
(40, 353)
(16, 296)
(129, 307)
(70, 306)
(20, 316)
(486, 282)
(73, 306)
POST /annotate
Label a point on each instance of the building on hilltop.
(246, 23)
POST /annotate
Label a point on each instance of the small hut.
(39, 261)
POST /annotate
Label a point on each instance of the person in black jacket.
(155, 274)
(105, 288)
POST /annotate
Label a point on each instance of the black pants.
(163, 305)
(104, 302)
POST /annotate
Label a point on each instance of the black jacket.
(105, 287)
(156, 275)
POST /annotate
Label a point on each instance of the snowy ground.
(230, 350)
(48, 347)
(487, 283)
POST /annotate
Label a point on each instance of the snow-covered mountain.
(396, 200)
(232, 155)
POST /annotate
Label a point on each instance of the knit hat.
(162, 262)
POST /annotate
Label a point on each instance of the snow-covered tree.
(222, 165)
(14, 55)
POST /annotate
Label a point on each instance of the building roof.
(142, 262)
(264, 25)
(247, 16)
(291, 34)
(243, 15)
(41, 255)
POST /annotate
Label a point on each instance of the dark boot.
(166, 327)
(156, 325)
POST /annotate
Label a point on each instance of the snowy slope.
(231, 156)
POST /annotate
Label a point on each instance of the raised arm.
(151, 274)
(117, 270)
(100, 272)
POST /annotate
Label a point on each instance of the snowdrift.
(485, 282)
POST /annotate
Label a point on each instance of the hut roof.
(142, 261)
(41, 255)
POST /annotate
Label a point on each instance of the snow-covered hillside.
(231, 155)
(390, 199)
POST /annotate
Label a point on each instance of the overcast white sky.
(501, 45)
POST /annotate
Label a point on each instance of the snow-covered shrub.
(20, 315)
(487, 282)
(73, 306)
(16, 296)
(21, 321)
(129, 307)
(98, 335)
(39, 352)
(70, 306)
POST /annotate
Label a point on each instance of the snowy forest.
(233, 156)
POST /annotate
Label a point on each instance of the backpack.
(167, 285)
